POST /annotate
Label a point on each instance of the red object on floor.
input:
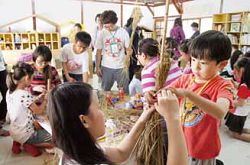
(16, 147)
(4, 132)
(32, 150)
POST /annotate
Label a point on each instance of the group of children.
(204, 98)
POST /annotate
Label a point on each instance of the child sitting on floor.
(21, 107)
(236, 119)
(135, 85)
(185, 56)
(43, 71)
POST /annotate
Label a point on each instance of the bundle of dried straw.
(136, 15)
(149, 149)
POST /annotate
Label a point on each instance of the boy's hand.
(98, 71)
(150, 97)
(167, 105)
(179, 92)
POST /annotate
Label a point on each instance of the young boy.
(206, 97)
(75, 58)
(111, 44)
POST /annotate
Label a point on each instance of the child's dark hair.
(137, 71)
(68, 132)
(194, 24)
(149, 47)
(43, 51)
(97, 16)
(247, 54)
(19, 71)
(129, 22)
(83, 37)
(211, 45)
(177, 22)
(235, 56)
(244, 63)
(184, 47)
(78, 25)
(109, 16)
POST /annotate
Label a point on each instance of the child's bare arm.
(39, 109)
(66, 72)
(98, 62)
(216, 109)
(168, 107)
(123, 150)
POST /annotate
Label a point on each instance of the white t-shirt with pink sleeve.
(149, 76)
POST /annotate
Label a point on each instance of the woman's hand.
(145, 116)
(150, 97)
(167, 105)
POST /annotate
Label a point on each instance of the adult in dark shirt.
(133, 60)
(195, 27)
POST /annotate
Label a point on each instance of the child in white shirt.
(21, 107)
(135, 84)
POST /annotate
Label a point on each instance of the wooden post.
(82, 18)
(165, 26)
(121, 13)
(33, 4)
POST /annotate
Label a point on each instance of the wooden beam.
(33, 4)
(82, 18)
(125, 3)
(16, 21)
(151, 11)
(221, 6)
(121, 12)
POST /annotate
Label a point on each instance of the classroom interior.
(26, 24)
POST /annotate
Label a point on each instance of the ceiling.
(136, 2)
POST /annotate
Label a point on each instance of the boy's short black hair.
(109, 16)
(247, 54)
(83, 37)
(78, 25)
(234, 57)
(97, 16)
(211, 45)
(194, 24)
(43, 51)
(184, 47)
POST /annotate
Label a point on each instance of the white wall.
(61, 11)
(10, 12)
(90, 9)
(236, 5)
(201, 8)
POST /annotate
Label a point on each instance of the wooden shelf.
(232, 24)
(8, 41)
(220, 22)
